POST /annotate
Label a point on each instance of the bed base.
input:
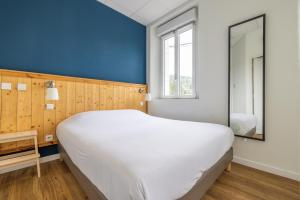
(203, 184)
(251, 133)
(228, 168)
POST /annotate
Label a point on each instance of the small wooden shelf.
(19, 159)
(18, 136)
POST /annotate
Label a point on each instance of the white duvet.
(129, 155)
(242, 123)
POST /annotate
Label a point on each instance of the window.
(178, 63)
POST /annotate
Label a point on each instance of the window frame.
(176, 34)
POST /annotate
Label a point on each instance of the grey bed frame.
(200, 188)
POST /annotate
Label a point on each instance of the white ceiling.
(246, 28)
(238, 32)
(143, 11)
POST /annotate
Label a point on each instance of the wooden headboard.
(26, 110)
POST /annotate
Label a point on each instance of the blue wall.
(81, 38)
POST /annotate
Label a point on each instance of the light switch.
(141, 103)
(49, 106)
(6, 86)
(21, 86)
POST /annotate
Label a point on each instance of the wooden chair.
(18, 159)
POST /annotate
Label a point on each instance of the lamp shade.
(52, 94)
(148, 97)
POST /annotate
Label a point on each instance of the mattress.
(128, 154)
(242, 124)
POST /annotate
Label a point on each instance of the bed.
(127, 154)
(243, 124)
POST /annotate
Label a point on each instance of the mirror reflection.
(247, 78)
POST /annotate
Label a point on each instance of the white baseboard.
(267, 168)
(32, 163)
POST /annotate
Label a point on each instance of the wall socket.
(21, 86)
(50, 106)
(49, 138)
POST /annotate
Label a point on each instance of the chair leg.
(38, 167)
(228, 168)
(38, 159)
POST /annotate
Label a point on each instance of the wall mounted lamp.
(51, 91)
(141, 90)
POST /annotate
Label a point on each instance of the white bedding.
(131, 155)
(241, 123)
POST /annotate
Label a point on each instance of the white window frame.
(176, 34)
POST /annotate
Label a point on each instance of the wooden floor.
(57, 182)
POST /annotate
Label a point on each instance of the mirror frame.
(263, 16)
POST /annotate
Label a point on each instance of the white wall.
(238, 74)
(281, 151)
(254, 48)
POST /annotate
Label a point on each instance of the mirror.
(247, 78)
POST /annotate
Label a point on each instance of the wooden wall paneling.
(102, 99)
(96, 96)
(127, 98)
(110, 97)
(136, 98)
(119, 97)
(9, 110)
(79, 97)
(38, 107)
(61, 105)
(1, 145)
(122, 96)
(71, 99)
(0, 104)
(92, 96)
(24, 111)
(141, 97)
(88, 103)
(49, 119)
(131, 97)
(116, 97)
(106, 96)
